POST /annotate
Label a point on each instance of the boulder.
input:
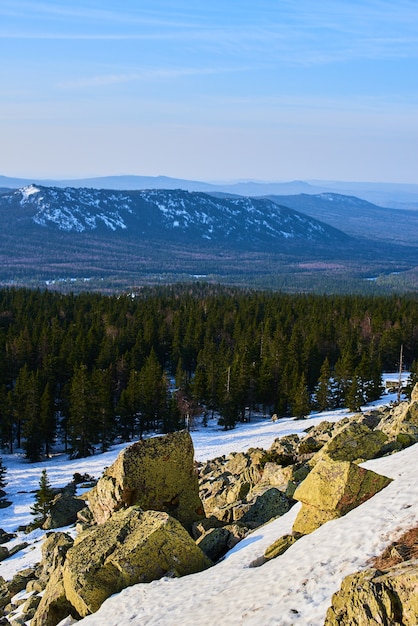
(155, 474)
(414, 393)
(64, 509)
(4, 553)
(265, 506)
(279, 546)
(214, 543)
(354, 442)
(54, 605)
(402, 423)
(133, 546)
(374, 597)
(5, 593)
(331, 490)
(54, 550)
(6, 537)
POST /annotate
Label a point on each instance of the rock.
(285, 478)
(30, 606)
(54, 605)
(18, 547)
(332, 489)
(214, 543)
(414, 393)
(373, 598)
(21, 579)
(4, 553)
(156, 474)
(54, 550)
(64, 509)
(133, 546)
(402, 423)
(6, 537)
(5, 594)
(279, 546)
(266, 506)
(354, 442)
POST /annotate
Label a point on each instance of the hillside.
(295, 588)
(355, 216)
(112, 240)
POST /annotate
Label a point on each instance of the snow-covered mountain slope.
(174, 214)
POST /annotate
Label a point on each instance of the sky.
(273, 90)
(294, 589)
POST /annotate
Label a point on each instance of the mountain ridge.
(176, 214)
(393, 195)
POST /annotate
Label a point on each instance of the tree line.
(93, 368)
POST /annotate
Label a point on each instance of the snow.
(293, 589)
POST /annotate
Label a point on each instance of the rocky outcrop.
(375, 598)
(402, 423)
(155, 474)
(133, 546)
(354, 442)
(331, 490)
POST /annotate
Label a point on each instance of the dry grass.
(404, 549)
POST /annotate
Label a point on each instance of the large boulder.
(134, 546)
(373, 598)
(354, 442)
(155, 474)
(331, 490)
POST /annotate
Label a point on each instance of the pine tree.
(323, 392)
(43, 500)
(300, 401)
(81, 428)
(3, 471)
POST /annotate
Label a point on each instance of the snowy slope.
(294, 589)
(175, 214)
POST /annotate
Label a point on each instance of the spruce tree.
(43, 500)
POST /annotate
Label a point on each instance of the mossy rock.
(373, 598)
(155, 474)
(133, 546)
(331, 490)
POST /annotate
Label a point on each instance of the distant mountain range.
(393, 195)
(174, 215)
(302, 242)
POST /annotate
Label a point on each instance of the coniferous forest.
(90, 369)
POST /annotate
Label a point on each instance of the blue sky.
(266, 90)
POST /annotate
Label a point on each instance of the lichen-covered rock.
(285, 478)
(133, 546)
(5, 594)
(54, 605)
(354, 442)
(414, 393)
(155, 474)
(402, 423)
(266, 506)
(63, 512)
(279, 546)
(332, 489)
(214, 543)
(376, 598)
(54, 549)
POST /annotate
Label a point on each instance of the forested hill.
(175, 215)
(90, 368)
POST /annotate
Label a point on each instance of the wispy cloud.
(106, 80)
